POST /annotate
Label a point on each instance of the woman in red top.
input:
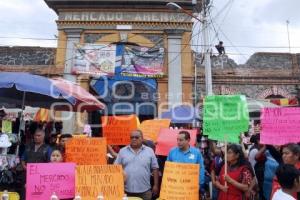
(238, 178)
(290, 155)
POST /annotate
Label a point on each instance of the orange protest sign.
(180, 182)
(151, 128)
(86, 151)
(79, 135)
(117, 129)
(91, 180)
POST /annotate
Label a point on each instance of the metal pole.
(288, 34)
(21, 122)
(195, 83)
(207, 62)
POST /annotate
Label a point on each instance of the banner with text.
(45, 178)
(167, 139)
(86, 151)
(91, 180)
(225, 117)
(142, 61)
(151, 128)
(95, 59)
(280, 126)
(117, 129)
(180, 182)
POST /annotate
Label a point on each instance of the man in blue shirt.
(186, 154)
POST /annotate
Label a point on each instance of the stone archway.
(274, 91)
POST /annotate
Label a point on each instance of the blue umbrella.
(24, 89)
(21, 89)
(182, 114)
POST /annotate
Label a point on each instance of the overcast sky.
(245, 26)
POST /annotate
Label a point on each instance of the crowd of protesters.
(254, 171)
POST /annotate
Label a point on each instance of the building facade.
(150, 24)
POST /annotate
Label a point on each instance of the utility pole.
(207, 61)
(288, 34)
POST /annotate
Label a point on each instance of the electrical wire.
(181, 44)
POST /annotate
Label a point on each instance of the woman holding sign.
(238, 177)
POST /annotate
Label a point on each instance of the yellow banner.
(91, 180)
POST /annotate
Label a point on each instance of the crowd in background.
(254, 170)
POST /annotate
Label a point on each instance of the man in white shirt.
(289, 180)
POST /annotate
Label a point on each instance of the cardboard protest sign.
(151, 128)
(6, 126)
(225, 117)
(180, 182)
(117, 129)
(77, 135)
(45, 178)
(91, 180)
(167, 139)
(86, 151)
(280, 126)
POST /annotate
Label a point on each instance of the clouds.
(253, 25)
(245, 26)
(278, 11)
(26, 19)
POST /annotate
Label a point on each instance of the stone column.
(174, 67)
(73, 38)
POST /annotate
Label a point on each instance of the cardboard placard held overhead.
(45, 178)
(91, 180)
(225, 117)
(86, 151)
(167, 139)
(117, 129)
(280, 126)
(151, 128)
(180, 181)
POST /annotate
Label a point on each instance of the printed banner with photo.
(95, 59)
(142, 61)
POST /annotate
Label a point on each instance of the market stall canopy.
(255, 105)
(24, 89)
